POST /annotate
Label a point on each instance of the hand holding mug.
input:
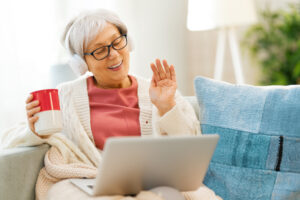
(32, 107)
(43, 112)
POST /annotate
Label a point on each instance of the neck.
(124, 84)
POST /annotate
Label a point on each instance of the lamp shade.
(234, 12)
(210, 14)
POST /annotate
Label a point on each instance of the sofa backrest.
(193, 101)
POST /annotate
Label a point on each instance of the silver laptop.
(132, 164)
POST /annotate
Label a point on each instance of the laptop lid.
(132, 164)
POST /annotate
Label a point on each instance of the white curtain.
(30, 34)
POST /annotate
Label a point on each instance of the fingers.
(155, 72)
(167, 69)
(29, 98)
(153, 82)
(32, 120)
(32, 105)
(172, 72)
(161, 72)
(33, 111)
(160, 69)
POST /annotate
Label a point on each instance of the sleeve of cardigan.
(19, 135)
(180, 120)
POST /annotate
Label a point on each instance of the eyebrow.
(101, 43)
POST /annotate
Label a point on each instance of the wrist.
(162, 109)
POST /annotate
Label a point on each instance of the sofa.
(257, 156)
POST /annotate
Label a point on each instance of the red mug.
(50, 119)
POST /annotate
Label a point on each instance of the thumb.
(153, 82)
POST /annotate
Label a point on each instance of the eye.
(100, 50)
(117, 41)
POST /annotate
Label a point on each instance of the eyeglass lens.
(117, 44)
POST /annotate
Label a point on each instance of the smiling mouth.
(116, 66)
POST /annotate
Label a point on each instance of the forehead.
(105, 36)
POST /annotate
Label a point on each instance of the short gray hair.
(83, 29)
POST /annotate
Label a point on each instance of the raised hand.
(163, 86)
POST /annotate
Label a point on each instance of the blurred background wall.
(30, 49)
(201, 47)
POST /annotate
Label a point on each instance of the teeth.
(115, 66)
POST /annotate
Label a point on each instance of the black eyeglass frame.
(108, 46)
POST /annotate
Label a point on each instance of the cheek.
(89, 62)
(126, 55)
(93, 64)
(127, 62)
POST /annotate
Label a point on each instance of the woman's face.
(112, 71)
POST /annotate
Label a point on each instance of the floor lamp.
(234, 50)
(225, 15)
(228, 15)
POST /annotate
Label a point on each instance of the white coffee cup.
(50, 117)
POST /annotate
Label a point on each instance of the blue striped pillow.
(258, 154)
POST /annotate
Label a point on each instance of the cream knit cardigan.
(73, 152)
(76, 114)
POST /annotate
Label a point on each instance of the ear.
(78, 65)
(130, 43)
(88, 69)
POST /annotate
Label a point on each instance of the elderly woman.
(110, 102)
(99, 43)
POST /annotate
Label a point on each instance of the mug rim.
(44, 90)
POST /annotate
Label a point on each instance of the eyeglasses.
(102, 52)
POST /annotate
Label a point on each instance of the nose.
(113, 53)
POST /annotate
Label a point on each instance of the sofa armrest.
(19, 169)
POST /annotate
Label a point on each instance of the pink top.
(114, 112)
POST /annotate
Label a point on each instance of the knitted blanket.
(64, 160)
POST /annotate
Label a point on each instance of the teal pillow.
(258, 154)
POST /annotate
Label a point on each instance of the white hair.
(83, 29)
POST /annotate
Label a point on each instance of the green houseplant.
(274, 43)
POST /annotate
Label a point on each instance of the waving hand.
(163, 86)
